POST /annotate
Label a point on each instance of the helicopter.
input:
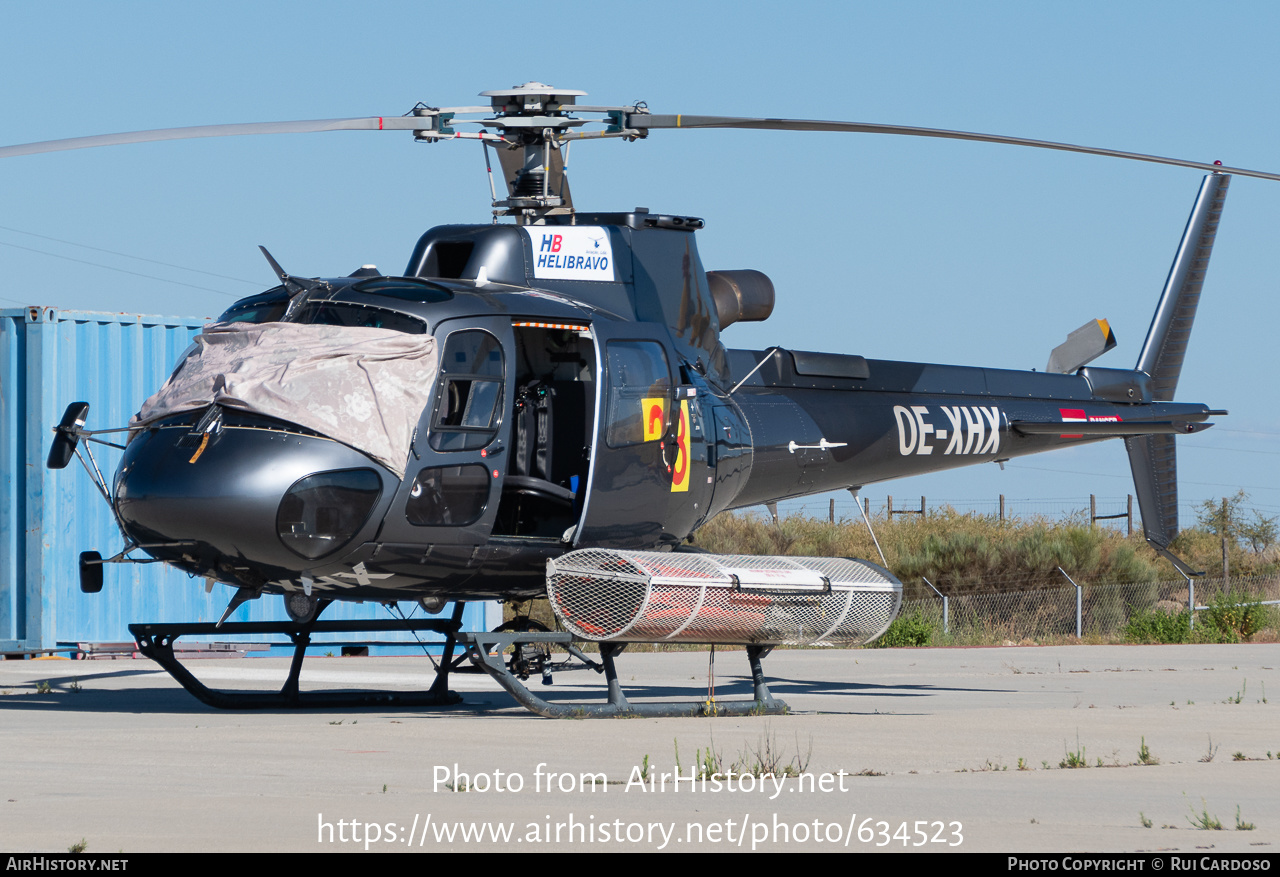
(545, 407)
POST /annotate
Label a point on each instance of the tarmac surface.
(900, 749)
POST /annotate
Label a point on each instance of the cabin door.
(635, 449)
(453, 484)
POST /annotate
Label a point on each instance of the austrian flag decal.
(1077, 415)
(1072, 415)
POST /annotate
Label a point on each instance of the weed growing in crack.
(1244, 686)
(1203, 820)
(1075, 760)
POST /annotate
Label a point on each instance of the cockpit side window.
(469, 395)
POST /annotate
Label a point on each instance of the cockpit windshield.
(267, 307)
(271, 306)
(328, 313)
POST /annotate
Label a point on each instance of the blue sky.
(889, 247)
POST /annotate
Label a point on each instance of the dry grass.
(976, 553)
(1001, 576)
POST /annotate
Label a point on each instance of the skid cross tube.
(485, 651)
(156, 641)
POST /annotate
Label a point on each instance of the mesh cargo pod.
(637, 596)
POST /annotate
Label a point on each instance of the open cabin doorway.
(552, 431)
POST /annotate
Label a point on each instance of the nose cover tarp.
(363, 387)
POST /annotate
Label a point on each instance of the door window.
(469, 395)
(639, 392)
(448, 496)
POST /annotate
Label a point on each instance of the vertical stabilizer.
(1154, 461)
(1153, 458)
(1155, 479)
(1166, 344)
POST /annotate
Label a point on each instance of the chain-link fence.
(1116, 511)
(1101, 610)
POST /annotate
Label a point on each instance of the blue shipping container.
(49, 359)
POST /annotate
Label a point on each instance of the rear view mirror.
(67, 437)
(90, 572)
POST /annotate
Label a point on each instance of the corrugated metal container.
(49, 359)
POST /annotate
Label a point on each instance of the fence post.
(1226, 575)
(1093, 511)
(831, 512)
(946, 607)
(1191, 600)
(1079, 604)
(922, 511)
(1002, 508)
(1130, 516)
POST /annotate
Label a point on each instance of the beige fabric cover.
(366, 388)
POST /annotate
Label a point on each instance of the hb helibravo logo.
(571, 252)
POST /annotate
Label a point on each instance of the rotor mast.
(532, 118)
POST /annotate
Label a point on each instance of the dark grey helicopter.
(546, 407)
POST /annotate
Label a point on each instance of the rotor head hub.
(532, 98)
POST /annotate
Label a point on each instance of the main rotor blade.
(371, 123)
(646, 121)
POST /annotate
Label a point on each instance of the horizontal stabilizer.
(1082, 346)
(1109, 428)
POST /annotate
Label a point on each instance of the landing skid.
(156, 642)
(485, 651)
